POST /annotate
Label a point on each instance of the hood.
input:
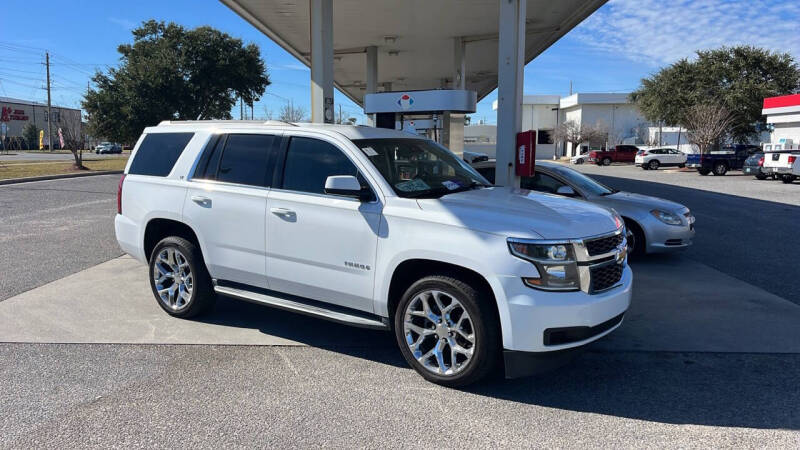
(520, 213)
(624, 201)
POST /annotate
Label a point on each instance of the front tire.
(179, 279)
(761, 176)
(447, 330)
(703, 172)
(635, 237)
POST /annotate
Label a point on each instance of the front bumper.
(663, 238)
(534, 315)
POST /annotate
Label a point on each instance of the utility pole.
(49, 115)
(340, 114)
(241, 108)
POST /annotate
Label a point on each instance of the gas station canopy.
(414, 38)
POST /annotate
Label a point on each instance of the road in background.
(50, 229)
(14, 156)
(749, 233)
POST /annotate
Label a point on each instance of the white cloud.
(659, 32)
(124, 23)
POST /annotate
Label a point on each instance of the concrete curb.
(57, 177)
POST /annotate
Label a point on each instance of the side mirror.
(566, 190)
(347, 186)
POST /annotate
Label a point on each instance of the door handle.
(284, 212)
(202, 201)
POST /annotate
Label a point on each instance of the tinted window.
(158, 153)
(246, 159)
(541, 182)
(207, 166)
(544, 137)
(487, 172)
(309, 162)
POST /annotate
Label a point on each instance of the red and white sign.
(7, 114)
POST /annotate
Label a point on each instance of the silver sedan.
(654, 225)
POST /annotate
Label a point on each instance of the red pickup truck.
(619, 153)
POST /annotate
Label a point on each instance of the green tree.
(31, 135)
(171, 73)
(736, 78)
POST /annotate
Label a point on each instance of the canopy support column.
(372, 77)
(510, 76)
(321, 61)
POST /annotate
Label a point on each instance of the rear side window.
(158, 153)
(239, 158)
(309, 162)
(246, 159)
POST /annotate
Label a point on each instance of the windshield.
(584, 184)
(418, 168)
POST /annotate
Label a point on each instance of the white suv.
(373, 228)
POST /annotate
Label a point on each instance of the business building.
(16, 113)
(614, 113)
(783, 118)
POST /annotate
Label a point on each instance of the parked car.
(654, 158)
(374, 228)
(619, 153)
(578, 159)
(720, 162)
(783, 164)
(107, 147)
(754, 165)
(654, 225)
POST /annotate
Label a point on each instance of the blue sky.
(611, 51)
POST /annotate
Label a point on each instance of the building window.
(544, 137)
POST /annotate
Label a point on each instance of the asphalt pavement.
(336, 386)
(50, 229)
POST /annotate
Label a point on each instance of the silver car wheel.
(439, 332)
(173, 278)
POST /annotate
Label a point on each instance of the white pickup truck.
(373, 228)
(782, 162)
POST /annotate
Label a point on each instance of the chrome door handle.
(285, 212)
(202, 201)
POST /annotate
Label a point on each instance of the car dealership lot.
(706, 356)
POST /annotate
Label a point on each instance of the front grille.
(604, 277)
(603, 245)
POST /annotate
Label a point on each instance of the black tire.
(606, 161)
(653, 164)
(681, 166)
(635, 234)
(485, 328)
(579, 161)
(787, 179)
(703, 172)
(761, 176)
(644, 166)
(720, 169)
(203, 297)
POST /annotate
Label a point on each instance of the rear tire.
(681, 166)
(761, 176)
(720, 169)
(445, 331)
(703, 172)
(653, 164)
(188, 291)
(787, 179)
(606, 161)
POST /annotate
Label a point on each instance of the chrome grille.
(604, 276)
(603, 245)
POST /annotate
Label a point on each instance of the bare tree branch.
(706, 124)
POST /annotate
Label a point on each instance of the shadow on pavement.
(752, 240)
(729, 390)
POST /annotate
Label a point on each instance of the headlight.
(555, 262)
(666, 217)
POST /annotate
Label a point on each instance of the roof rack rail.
(261, 122)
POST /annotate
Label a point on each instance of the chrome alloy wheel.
(173, 278)
(439, 332)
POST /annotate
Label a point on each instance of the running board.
(334, 315)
